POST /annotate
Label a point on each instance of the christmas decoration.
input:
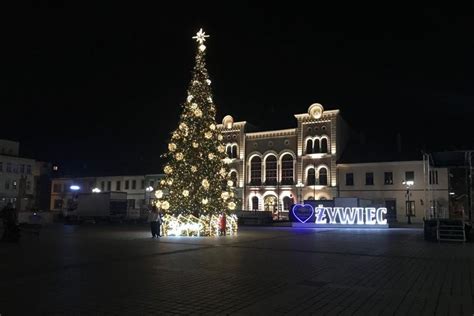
(195, 187)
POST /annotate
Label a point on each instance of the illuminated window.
(388, 178)
(256, 171)
(271, 170)
(287, 169)
(323, 176)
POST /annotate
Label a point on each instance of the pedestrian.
(153, 218)
(160, 223)
(11, 231)
(222, 224)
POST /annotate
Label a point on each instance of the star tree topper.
(201, 38)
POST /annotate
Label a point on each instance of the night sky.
(98, 91)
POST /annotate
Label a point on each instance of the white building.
(139, 189)
(20, 178)
(397, 185)
(274, 169)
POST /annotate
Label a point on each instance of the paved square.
(121, 270)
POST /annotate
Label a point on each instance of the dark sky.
(100, 88)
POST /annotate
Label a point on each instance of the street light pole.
(408, 208)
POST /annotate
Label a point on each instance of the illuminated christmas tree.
(196, 178)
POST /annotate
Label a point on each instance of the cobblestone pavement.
(113, 270)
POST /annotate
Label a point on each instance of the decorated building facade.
(274, 169)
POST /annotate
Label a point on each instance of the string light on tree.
(195, 187)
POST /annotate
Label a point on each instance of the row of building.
(272, 170)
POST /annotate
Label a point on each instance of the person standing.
(160, 223)
(154, 218)
(222, 224)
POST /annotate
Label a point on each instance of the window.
(152, 183)
(58, 204)
(255, 203)
(433, 176)
(349, 178)
(234, 151)
(127, 186)
(311, 177)
(323, 176)
(22, 168)
(324, 145)
(131, 204)
(256, 171)
(316, 146)
(271, 170)
(142, 184)
(56, 188)
(233, 177)
(118, 185)
(9, 167)
(287, 202)
(287, 169)
(15, 168)
(109, 185)
(134, 184)
(410, 176)
(7, 184)
(388, 178)
(14, 185)
(28, 169)
(309, 146)
(229, 151)
(369, 178)
(102, 186)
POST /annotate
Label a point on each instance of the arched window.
(229, 151)
(255, 203)
(317, 148)
(323, 176)
(256, 171)
(311, 177)
(287, 169)
(287, 202)
(324, 145)
(309, 146)
(235, 153)
(233, 177)
(271, 170)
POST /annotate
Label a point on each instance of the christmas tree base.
(190, 225)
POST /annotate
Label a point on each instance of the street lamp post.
(148, 190)
(299, 188)
(408, 205)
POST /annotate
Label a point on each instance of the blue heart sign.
(303, 212)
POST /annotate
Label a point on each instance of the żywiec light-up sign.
(340, 215)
